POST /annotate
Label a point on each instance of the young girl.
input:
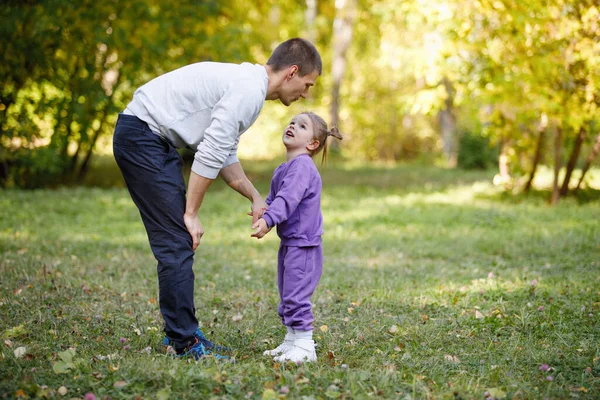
(294, 205)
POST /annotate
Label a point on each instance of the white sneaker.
(286, 346)
(302, 351)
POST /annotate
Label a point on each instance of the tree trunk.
(342, 37)
(274, 21)
(448, 125)
(536, 160)
(84, 166)
(4, 157)
(310, 17)
(103, 113)
(572, 161)
(83, 138)
(503, 167)
(557, 157)
(589, 161)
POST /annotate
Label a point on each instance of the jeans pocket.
(140, 158)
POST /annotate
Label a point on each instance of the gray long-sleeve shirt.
(204, 106)
(294, 203)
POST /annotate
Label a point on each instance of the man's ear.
(312, 146)
(292, 71)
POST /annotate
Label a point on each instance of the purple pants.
(299, 270)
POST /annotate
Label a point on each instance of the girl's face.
(298, 135)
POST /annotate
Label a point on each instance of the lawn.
(436, 285)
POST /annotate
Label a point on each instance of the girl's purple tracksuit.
(295, 207)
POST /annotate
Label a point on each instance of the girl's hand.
(261, 229)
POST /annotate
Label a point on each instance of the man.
(205, 107)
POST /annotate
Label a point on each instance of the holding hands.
(258, 223)
(258, 208)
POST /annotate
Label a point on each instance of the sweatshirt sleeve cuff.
(205, 170)
(232, 159)
(268, 220)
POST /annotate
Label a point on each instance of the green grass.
(426, 293)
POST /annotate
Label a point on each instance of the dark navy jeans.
(152, 169)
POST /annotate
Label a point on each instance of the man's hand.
(236, 178)
(194, 227)
(261, 229)
(258, 209)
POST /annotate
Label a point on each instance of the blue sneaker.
(208, 345)
(196, 350)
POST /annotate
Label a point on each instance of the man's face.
(296, 86)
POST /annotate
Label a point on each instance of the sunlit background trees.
(502, 84)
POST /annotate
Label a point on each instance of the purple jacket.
(295, 203)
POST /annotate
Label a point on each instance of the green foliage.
(475, 152)
(69, 69)
(68, 74)
(528, 70)
(435, 286)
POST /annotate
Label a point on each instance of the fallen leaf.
(478, 315)
(218, 377)
(62, 390)
(324, 328)
(330, 355)
(393, 329)
(497, 393)
(67, 355)
(8, 343)
(15, 331)
(578, 389)
(20, 352)
(269, 394)
(97, 375)
(333, 392)
(60, 367)
(163, 394)
(120, 384)
(237, 317)
(20, 394)
(113, 368)
(452, 359)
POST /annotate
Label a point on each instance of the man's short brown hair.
(299, 52)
